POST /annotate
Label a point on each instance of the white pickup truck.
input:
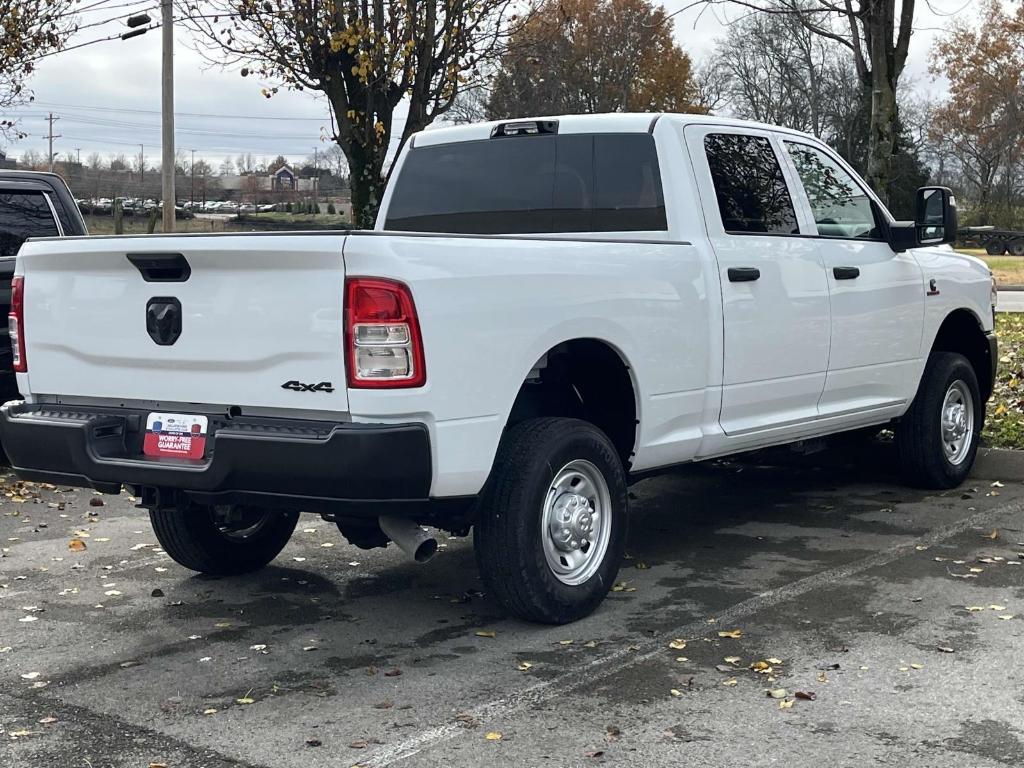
(546, 311)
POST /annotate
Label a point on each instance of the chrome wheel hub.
(957, 421)
(576, 522)
(572, 522)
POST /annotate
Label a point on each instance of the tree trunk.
(366, 183)
(882, 134)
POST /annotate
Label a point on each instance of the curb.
(1009, 287)
(998, 464)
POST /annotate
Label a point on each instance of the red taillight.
(16, 324)
(382, 335)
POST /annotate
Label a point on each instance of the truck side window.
(531, 184)
(841, 206)
(23, 215)
(749, 184)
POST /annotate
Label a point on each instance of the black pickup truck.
(31, 205)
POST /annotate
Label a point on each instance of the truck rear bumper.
(315, 466)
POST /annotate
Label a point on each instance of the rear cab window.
(24, 214)
(750, 186)
(562, 183)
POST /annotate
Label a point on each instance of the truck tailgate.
(260, 317)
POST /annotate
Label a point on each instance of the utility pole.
(192, 168)
(50, 136)
(142, 171)
(167, 112)
(78, 152)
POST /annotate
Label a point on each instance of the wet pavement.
(899, 612)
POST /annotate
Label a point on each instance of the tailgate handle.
(161, 267)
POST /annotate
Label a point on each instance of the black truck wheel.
(937, 438)
(551, 528)
(995, 247)
(223, 540)
(1016, 247)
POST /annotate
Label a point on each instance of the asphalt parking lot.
(897, 616)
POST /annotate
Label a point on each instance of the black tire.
(919, 437)
(508, 531)
(1016, 247)
(995, 247)
(199, 537)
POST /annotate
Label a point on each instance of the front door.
(877, 297)
(774, 290)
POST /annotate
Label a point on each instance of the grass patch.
(1004, 425)
(139, 225)
(1009, 270)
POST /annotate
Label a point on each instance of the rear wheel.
(1016, 247)
(938, 436)
(551, 530)
(995, 247)
(223, 540)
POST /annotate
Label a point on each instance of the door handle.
(744, 274)
(846, 273)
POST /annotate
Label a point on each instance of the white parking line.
(619, 660)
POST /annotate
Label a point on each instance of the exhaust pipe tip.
(409, 537)
(426, 550)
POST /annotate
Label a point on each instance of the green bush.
(331, 209)
(288, 207)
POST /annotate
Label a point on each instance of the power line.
(85, 108)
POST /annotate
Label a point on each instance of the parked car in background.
(546, 311)
(32, 204)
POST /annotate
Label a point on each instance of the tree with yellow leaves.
(588, 56)
(367, 57)
(29, 29)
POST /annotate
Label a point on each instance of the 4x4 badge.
(298, 386)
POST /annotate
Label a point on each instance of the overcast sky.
(107, 95)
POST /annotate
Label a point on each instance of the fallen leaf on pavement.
(787, 704)
(678, 644)
(732, 659)
(524, 665)
(492, 736)
(76, 545)
(806, 695)
(734, 634)
(245, 700)
(730, 682)
(778, 693)
(486, 633)
(944, 649)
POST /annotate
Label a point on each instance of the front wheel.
(937, 438)
(223, 540)
(551, 530)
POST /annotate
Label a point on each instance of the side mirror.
(936, 218)
(935, 221)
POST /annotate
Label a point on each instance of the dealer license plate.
(175, 435)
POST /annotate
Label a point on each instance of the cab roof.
(615, 122)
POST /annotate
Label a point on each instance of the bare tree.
(877, 35)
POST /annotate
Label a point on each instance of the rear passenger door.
(25, 211)
(774, 291)
(876, 295)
